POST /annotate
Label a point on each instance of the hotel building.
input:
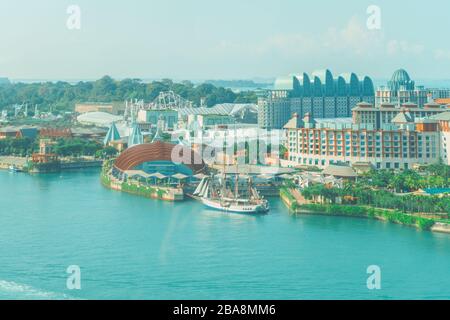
(394, 139)
(321, 95)
(365, 113)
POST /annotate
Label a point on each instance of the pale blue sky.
(209, 39)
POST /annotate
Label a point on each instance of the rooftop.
(340, 171)
(225, 109)
(444, 116)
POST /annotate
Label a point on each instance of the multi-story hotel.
(365, 113)
(321, 95)
(409, 138)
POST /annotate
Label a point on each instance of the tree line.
(62, 96)
(377, 189)
(64, 147)
(433, 176)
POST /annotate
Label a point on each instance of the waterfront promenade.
(65, 164)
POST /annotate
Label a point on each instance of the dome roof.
(158, 151)
(101, 119)
(400, 76)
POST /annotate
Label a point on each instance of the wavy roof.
(322, 82)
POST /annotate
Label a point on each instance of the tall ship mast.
(215, 193)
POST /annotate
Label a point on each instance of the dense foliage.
(76, 147)
(145, 191)
(64, 147)
(375, 189)
(362, 194)
(106, 153)
(358, 211)
(17, 147)
(433, 176)
(62, 96)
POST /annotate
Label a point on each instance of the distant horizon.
(426, 82)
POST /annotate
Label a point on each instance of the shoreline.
(363, 212)
(21, 163)
(151, 192)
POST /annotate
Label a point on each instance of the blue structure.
(320, 94)
(401, 80)
(135, 137)
(112, 135)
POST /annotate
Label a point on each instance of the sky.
(232, 39)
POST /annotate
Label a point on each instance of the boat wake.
(16, 291)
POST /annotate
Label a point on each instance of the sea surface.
(129, 247)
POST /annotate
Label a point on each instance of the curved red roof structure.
(159, 151)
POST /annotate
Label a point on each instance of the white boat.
(212, 195)
(236, 206)
(13, 168)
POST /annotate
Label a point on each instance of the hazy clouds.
(202, 39)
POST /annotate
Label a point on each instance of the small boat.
(216, 195)
(14, 168)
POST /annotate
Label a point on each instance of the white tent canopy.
(180, 176)
(139, 173)
(158, 175)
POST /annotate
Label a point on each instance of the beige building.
(116, 108)
(400, 144)
(365, 113)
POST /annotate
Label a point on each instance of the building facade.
(321, 95)
(400, 144)
(152, 117)
(116, 108)
(204, 121)
(365, 113)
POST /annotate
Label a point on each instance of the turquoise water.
(131, 247)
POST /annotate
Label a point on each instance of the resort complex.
(400, 143)
(321, 95)
(307, 131)
(224, 158)
(315, 148)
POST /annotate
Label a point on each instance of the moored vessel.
(216, 193)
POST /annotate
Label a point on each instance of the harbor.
(162, 249)
(218, 152)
